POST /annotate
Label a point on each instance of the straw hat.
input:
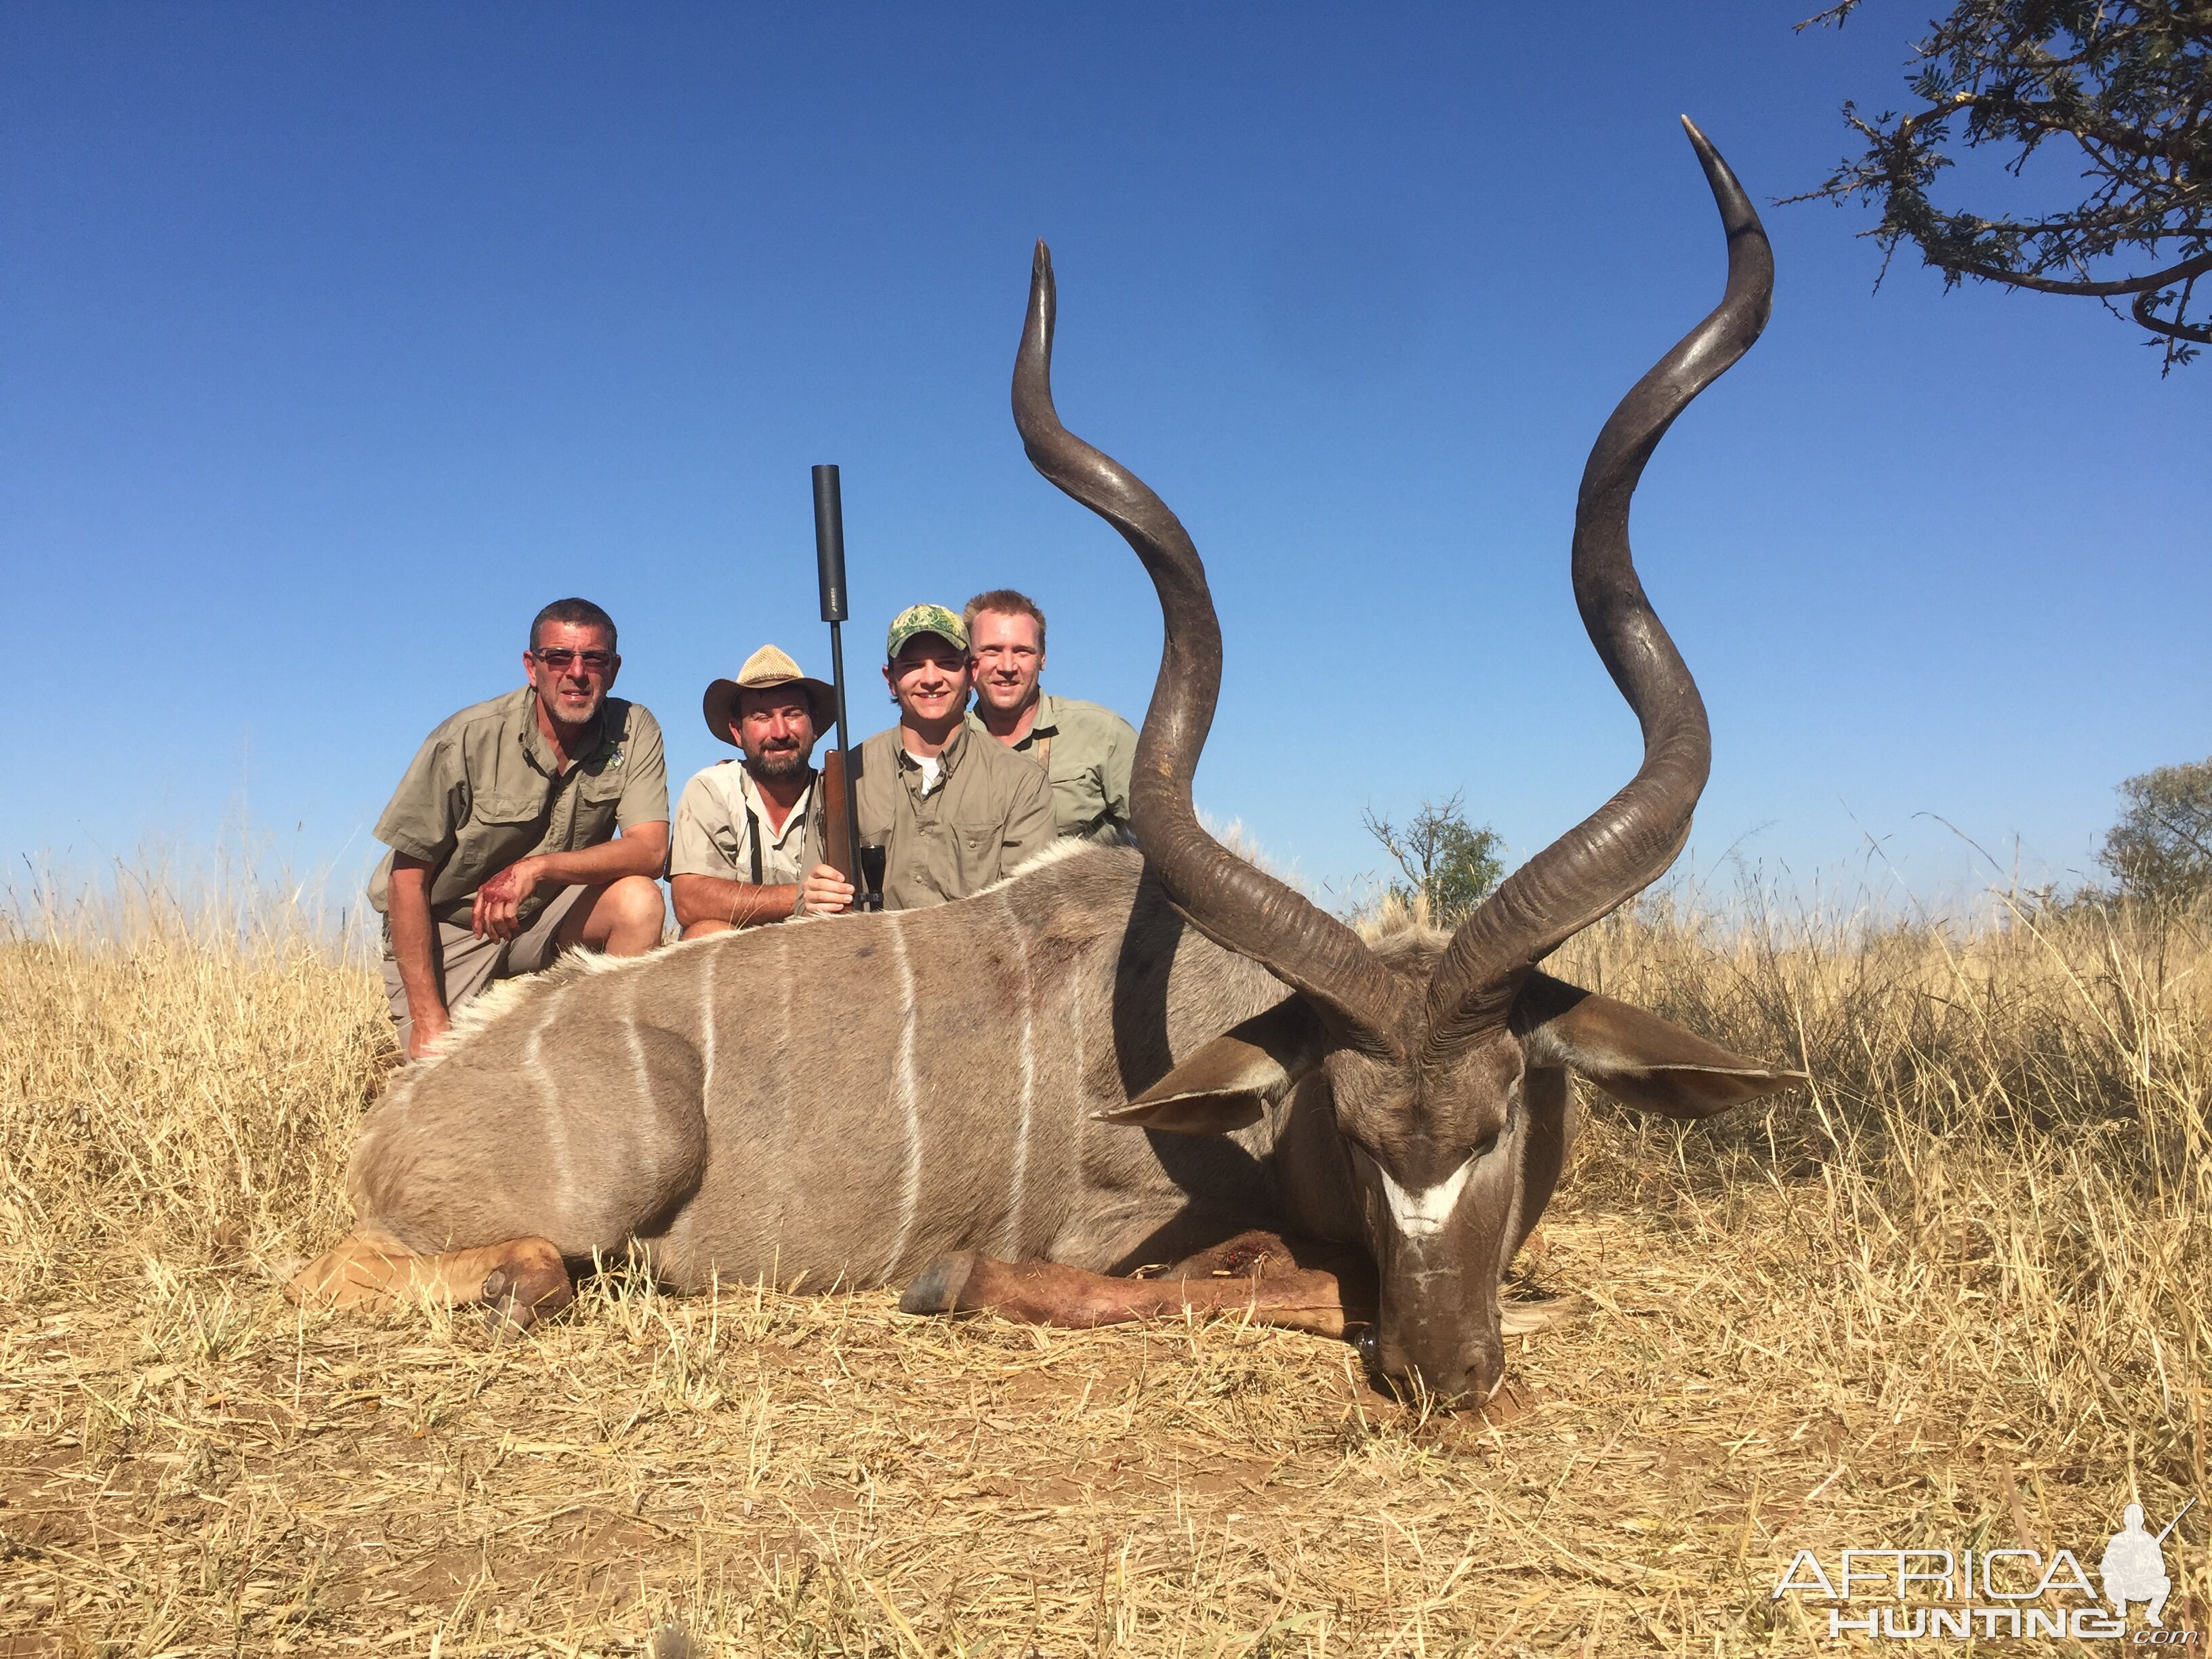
(765, 668)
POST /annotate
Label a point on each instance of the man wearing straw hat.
(747, 845)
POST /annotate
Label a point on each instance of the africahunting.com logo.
(1987, 1593)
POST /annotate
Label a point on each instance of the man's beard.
(779, 766)
(565, 712)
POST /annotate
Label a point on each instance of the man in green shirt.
(1086, 751)
(952, 811)
(505, 849)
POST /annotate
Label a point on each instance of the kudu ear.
(1639, 1059)
(1233, 1080)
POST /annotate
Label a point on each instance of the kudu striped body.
(1094, 1065)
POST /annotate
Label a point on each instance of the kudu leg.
(523, 1279)
(1297, 1285)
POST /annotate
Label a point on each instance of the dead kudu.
(1004, 1102)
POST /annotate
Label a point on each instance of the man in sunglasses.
(526, 825)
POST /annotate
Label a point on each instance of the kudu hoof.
(518, 1296)
(938, 1290)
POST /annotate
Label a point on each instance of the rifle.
(840, 833)
(2176, 1522)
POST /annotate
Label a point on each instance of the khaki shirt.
(722, 831)
(1088, 751)
(990, 812)
(483, 793)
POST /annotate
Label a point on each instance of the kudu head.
(1435, 1057)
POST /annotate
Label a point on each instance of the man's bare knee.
(705, 927)
(635, 912)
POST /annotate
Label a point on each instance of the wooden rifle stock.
(837, 842)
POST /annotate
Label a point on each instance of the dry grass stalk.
(1952, 1295)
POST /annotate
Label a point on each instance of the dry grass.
(1952, 1296)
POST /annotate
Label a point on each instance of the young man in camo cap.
(747, 849)
(952, 811)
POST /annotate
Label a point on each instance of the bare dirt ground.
(1950, 1299)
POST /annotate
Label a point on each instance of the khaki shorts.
(467, 965)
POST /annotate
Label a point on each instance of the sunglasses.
(557, 658)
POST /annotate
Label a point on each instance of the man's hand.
(826, 891)
(500, 899)
(425, 1025)
(414, 947)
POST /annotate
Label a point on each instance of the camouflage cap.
(925, 619)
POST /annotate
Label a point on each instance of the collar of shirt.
(1045, 724)
(948, 758)
(540, 751)
(749, 791)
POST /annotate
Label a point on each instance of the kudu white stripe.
(909, 1098)
(542, 1080)
(645, 1147)
(707, 1027)
(1017, 1182)
(1422, 1214)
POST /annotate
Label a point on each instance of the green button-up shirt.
(989, 813)
(1087, 752)
(484, 790)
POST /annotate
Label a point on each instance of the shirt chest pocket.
(598, 795)
(976, 848)
(500, 829)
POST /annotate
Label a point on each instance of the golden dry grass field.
(1952, 1295)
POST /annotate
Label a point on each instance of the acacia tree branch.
(1833, 17)
(2129, 81)
(1386, 832)
(2183, 829)
(2049, 120)
(2147, 286)
(2196, 333)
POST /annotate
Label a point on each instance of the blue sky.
(335, 340)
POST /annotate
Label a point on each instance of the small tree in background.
(2123, 86)
(1450, 864)
(2161, 848)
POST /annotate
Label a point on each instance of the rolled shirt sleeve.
(705, 842)
(423, 819)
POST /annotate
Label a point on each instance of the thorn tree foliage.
(2161, 848)
(1447, 861)
(2122, 87)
